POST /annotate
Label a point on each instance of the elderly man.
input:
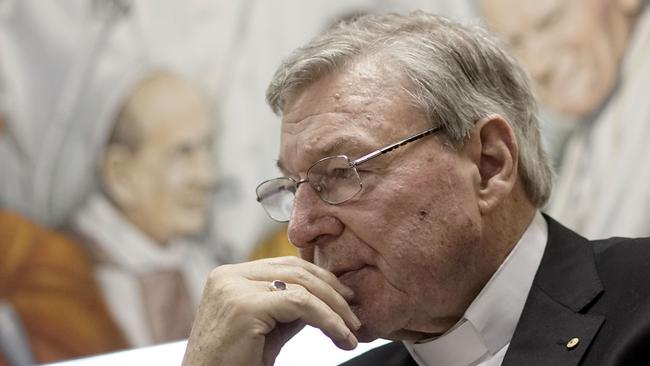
(414, 177)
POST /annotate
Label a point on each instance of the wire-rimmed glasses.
(334, 178)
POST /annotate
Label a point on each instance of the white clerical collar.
(489, 322)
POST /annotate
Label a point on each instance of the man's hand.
(242, 321)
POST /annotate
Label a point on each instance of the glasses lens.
(335, 180)
(276, 196)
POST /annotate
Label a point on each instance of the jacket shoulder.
(622, 266)
(623, 261)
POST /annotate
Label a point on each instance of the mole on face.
(423, 214)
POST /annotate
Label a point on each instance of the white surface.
(161, 355)
(310, 344)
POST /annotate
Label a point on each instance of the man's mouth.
(346, 275)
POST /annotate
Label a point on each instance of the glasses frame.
(352, 164)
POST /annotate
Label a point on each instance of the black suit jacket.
(595, 291)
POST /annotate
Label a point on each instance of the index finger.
(315, 270)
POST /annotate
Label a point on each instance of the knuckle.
(219, 286)
(218, 291)
(298, 297)
(302, 275)
(220, 272)
(237, 306)
(215, 283)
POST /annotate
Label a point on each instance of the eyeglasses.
(335, 179)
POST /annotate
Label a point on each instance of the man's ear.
(495, 154)
(116, 173)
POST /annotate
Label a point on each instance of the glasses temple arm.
(393, 146)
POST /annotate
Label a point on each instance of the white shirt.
(134, 254)
(482, 336)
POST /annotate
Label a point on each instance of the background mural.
(590, 63)
(133, 135)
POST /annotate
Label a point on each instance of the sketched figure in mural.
(51, 307)
(590, 61)
(157, 178)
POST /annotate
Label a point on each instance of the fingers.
(296, 268)
(317, 281)
(241, 321)
(297, 303)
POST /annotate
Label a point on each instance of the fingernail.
(356, 323)
(352, 341)
(348, 293)
(348, 343)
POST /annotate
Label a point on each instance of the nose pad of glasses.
(318, 188)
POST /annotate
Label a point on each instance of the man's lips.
(350, 277)
(345, 274)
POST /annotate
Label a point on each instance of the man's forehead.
(322, 140)
(351, 111)
(335, 127)
(347, 89)
(330, 102)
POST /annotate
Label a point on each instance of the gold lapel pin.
(572, 343)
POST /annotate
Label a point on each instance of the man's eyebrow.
(347, 145)
(335, 147)
(342, 145)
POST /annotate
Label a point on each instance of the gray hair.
(456, 74)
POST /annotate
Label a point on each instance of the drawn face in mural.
(572, 49)
(159, 168)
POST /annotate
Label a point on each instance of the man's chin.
(370, 331)
(365, 336)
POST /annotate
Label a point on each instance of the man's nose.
(311, 219)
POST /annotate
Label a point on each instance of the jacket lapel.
(565, 284)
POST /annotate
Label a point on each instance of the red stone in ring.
(278, 285)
